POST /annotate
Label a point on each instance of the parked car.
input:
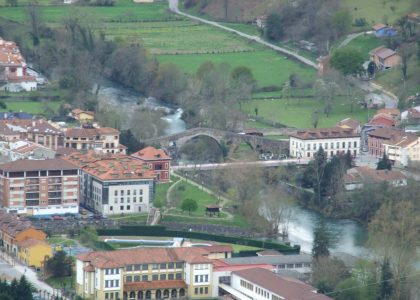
(58, 218)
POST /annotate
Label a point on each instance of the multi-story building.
(334, 141)
(378, 137)
(20, 149)
(105, 139)
(356, 178)
(114, 183)
(38, 131)
(146, 273)
(39, 187)
(13, 69)
(83, 116)
(403, 149)
(157, 160)
(262, 284)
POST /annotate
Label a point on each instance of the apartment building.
(39, 187)
(157, 160)
(146, 273)
(403, 149)
(262, 284)
(38, 131)
(378, 137)
(105, 139)
(334, 141)
(20, 149)
(114, 183)
(13, 69)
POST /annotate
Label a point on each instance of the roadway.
(261, 163)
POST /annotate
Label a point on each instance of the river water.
(347, 236)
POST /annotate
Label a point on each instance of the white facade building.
(334, 141)
(404, 149)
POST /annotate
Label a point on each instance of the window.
(162, 266)
(155, 277)
(155, 266)
(106, 283)
(128, 193)
(201, 290)
(117, 271)
(128, 279)
(344, 144)
(140, 199)
(206, 278)
(282, 266)
(171, 265)
(140, 192)
(196, 278)
(134, 192)
(179, 265)
(178, 276)
(122, 193)
(117, 283)
(326, 145)
(144, 278)
(111, 208)
(349, 144)
(206, 290)
(136, 278)
(115, 193)
(129, 268)
(106, 296)
(137, 267)
(134, 199)
(122, 200)
(290, 266)
(196, 291)
(162, 276)
(298, 265)
(128, 207)
(144, 267)
(355, 144)
(170, 276)
(122, 207)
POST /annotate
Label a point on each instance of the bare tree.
(405, 51)
(35, 20)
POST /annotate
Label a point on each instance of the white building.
(114, 183)
(21, 149)
(403, 149)
(335, 140)
(13, 69)
(262, 284)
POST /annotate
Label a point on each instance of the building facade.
(157, 160)
(357, 178)
(13, 69)
(34, 253)
(105, 139)
(377, 138)
(334, 141)
(39, 187)
(403, 150)
(114, 183)
(145, 273)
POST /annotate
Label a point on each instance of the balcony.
(54, 180)
(32, 181)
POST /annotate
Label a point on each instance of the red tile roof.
(386, 133)
(324, 133)
(37, 165)
(151, 153)
(379, 26)
(382, 52)
(348, 123)
(111, 166)
(29, 243)
(288, 288)
(90, 132)
(121, 258)
(365, 174)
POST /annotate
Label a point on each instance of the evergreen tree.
(320, 163)
(386, 288)
(321, 241)
(384, 163)
(24, 288)
(14, 289)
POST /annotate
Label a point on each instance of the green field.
(268, 67)
(378, 11)
(290, 113)
(365, 43)
(32, 107)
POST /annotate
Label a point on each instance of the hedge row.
(161, 231)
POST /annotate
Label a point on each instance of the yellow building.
(83, 116)
(34, 253)
(148, 273)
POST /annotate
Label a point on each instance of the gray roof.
(271, 260)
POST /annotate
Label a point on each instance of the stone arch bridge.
(258, 143)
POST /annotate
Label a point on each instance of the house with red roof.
(382, 120)
(384, 58)
(157, 160)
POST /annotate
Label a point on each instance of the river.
(125, 101)
(347, 236)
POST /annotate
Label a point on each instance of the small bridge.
(257, 143)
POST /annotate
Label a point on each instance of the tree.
(35, 20)
(60, 265)
(394, 234)
(386, 286)
(274, 27)
(384, 163)
(315, 117)
(405, 51)
(319, 166)
(347, 60)
(321, 241)
(348, 290)
(189, 205)
(327, 273)
(24, 288)
(276, 208)
(168, 83)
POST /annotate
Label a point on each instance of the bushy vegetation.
(16, 290)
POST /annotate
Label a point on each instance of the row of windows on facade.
(247, 285)
(292, 266)
(162, 266)
(115, 295)
(262, 292)
(121, 193)
(112, 283)
(154, 277)
(201, 291)
(316, 146)
(128, 200)
(201, 278)
(308, 154)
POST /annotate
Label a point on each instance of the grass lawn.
(185, 190)
(245, 28)
(268, 67)
(59, 283)
(124, 10)
(290, 113)
(32, 107)
(160, 193)
(61, 240)
(375, 11)
(365, 43)
(236, 221)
